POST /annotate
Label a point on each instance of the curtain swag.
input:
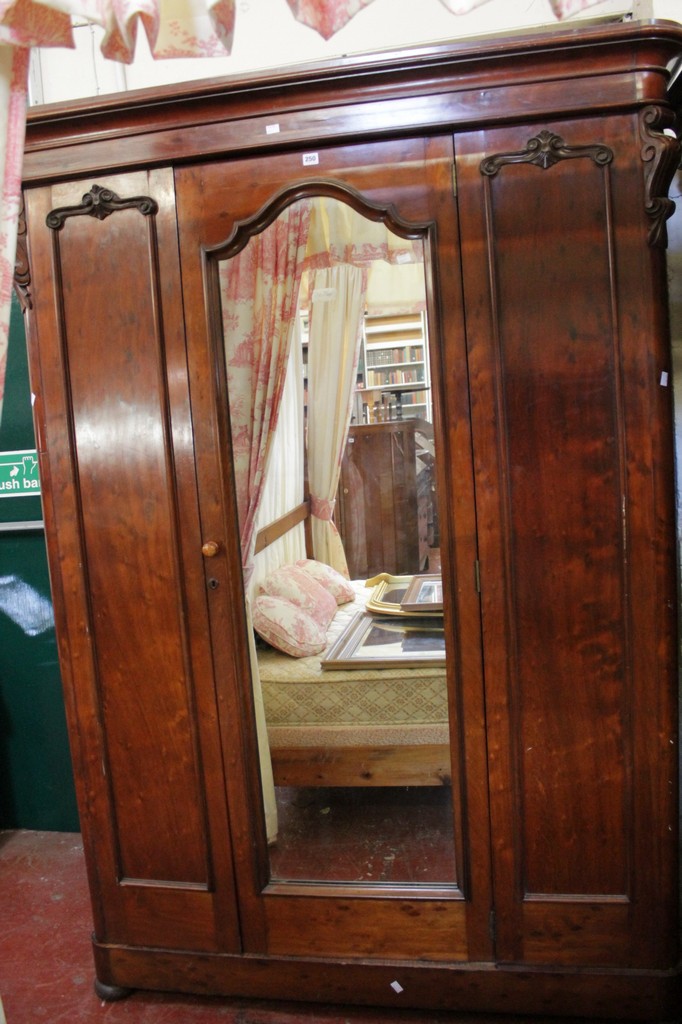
(174, 28)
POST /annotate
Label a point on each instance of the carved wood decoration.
(384, 213)
(544, 150)
(22, 272)
(661, 157)
(100, 203)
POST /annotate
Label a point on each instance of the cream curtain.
(174, 28)
(336, 312)
(284, 491)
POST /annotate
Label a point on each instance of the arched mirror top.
(358, 210)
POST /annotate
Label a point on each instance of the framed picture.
(423, 594)
(388, 593)
(406, 595)
(374, 641)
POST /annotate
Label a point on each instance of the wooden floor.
(46, 972)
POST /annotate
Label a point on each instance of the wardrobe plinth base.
(607, 993)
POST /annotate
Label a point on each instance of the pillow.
(299, 587)
(285, 626)
(332, 581)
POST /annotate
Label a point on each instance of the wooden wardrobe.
(535, 171)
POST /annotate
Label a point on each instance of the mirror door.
(362, 781)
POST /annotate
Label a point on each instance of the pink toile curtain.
(259, 292)
(259, 297)
(174, 28)
(329, 16)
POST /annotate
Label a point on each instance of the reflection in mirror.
(329, 391)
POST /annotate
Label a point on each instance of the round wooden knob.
(210, 549)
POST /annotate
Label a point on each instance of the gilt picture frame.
(383, 641)
(406, 595)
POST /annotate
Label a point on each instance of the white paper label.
(271, 129)
(324, 294)
(397, 987)
(664, 379)
(311, 159)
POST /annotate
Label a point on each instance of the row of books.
(381, 378)
(391, 356)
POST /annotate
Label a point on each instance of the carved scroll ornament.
(544, 150)
(100, 202)
(22, 271)
(661, 156)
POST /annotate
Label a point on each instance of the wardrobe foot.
(111, 993)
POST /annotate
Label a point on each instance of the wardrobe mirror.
(326, 339)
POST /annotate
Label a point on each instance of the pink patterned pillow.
(298, 587)
(287, 627)
(332, 581)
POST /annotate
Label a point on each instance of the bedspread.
(305, 705)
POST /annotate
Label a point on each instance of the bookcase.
(395, 365)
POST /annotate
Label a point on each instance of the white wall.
(267, 35)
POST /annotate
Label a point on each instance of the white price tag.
(323, 294)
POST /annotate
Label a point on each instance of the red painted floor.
(46, 972)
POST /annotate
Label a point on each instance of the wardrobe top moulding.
(475, 82)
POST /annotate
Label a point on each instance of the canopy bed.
(316, 264)
(383, 724)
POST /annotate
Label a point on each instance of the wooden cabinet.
(533, 174)
(384, 503)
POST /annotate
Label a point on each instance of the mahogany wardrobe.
(532, 175)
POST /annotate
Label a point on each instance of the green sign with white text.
(19, 474)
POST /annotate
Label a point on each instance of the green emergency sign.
(19, 474)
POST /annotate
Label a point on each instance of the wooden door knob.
(210, 549)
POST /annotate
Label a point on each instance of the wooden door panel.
(567, 573)
(125, 508)
(561, 428)
(402, 928)
(214, 200)
(130, 524)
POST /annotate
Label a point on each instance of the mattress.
(308, 706)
